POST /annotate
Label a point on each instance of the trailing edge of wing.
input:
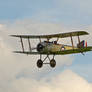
(60, 35)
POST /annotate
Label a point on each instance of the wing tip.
(14, 51)
(86, 32)
(15, 35)
(83, 32)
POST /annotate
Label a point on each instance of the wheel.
(39, 63)
(52, 63)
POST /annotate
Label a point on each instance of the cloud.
(67, 81)
(19, 73)
(27, 27)
(16, 65)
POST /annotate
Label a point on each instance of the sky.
(18, 73)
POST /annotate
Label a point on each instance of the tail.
(81, 44)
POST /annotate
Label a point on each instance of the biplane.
(48, 47)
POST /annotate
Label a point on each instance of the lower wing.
(73, 51)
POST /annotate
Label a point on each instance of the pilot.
(55, 42)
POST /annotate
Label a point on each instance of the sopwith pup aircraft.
(48, 47)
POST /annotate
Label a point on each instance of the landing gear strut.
(40, 62)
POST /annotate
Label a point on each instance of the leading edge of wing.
(73, 51)
(60, 35)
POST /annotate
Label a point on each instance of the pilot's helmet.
(55, 42)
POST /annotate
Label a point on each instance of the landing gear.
(40, 62)
(52, 63)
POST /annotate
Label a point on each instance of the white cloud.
(65, 82)
(19, 73)
(27, 27)
(1, 25)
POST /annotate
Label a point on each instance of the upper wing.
(73, 51)
(60, 35)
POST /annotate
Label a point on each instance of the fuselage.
(52, 47)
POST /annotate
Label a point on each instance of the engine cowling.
(40, 47)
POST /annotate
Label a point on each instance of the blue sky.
(70, 13)
(83, 65)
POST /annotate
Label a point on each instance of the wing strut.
(22, 43)
(57, 39)
(79, 43)
(29, 45)
(72, 42)
(48, 39)
(78, 39)
(40, 39)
